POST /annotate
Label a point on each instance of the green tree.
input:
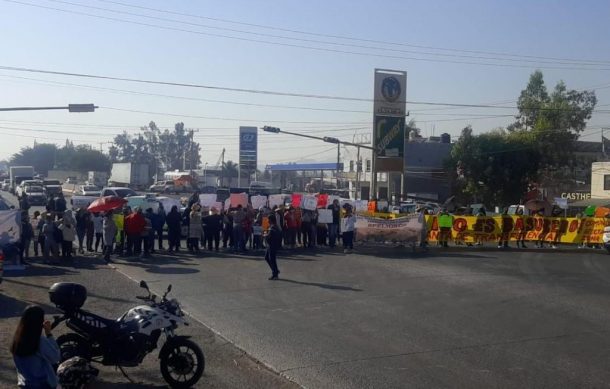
(230, 169)
(493, 168)
(41, 156)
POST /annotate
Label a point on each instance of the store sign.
(575, 196)
(390, 92)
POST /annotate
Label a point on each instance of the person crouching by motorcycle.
(35, 355)
(109, 231)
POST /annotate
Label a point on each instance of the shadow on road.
(320, 285)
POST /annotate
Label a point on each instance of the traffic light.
(275, 130)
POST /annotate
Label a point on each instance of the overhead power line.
(258, 91)
(334, 43)
(350, 38)
(315, 48)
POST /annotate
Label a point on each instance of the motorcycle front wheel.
(182, 363)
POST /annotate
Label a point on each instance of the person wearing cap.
(195, 228)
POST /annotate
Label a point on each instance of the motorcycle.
(125, 342)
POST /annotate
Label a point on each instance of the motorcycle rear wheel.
(183, 359)
(73, 345)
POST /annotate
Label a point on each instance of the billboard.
(248, 148)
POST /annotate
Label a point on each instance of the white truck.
(97, 178)
(128, 174)
(18, 174)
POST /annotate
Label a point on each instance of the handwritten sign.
(325, 216)
(309, 202)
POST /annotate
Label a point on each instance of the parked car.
(24, 184)
(164, 187)
(119, 192)
(88, 190)
(35, 195)
(6, 185)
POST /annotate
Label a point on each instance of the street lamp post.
(205, 169)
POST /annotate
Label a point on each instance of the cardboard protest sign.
(309, 202)
(325, 216)
(361, 205)
(258, 201)
(296, 199)
(276, 199)
(239, 199)
(322, 200)
(207, 199)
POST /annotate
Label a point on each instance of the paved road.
(462, 318)
(111, 294)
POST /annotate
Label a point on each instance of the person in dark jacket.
(60, 205)
(27, 234)
(158, 221)
(81, 228)
(274, 239)
(174, 229)
(24, 204)
(212, 225)
(227, 231)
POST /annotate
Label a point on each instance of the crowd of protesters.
(59, 233)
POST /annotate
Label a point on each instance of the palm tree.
(230, 170)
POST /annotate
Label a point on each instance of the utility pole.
(338, 162)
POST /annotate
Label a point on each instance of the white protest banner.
(217, 206)
(403, 229)
(207, 199)
(258, 201)
(276, 200)
(325, 216)
(10, 226)
(361, 205)
(309, 202)
(239, 199)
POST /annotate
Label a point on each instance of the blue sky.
(49, 39)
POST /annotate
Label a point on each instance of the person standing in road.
(348, 233)
(109, 232)
(98, 229)
(227, 231)
(60, 205)
(239, 217)
(37, 225)
(333, 228)
(148, 234)
(35, 355)
(89, 231)
(212, 227)
(134, 227)
(290, 226)
(24, 204)
(52, 239)
(68, 231)
(174, 229)
(158, 221)
(273, 238)
(81, 228)
(445, 223)
(27, 234)
(195, 229)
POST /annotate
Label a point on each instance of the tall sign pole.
(248, 151)
(389, 111)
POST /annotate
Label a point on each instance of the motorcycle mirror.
(143, 284)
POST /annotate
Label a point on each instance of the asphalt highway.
(388, 318)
